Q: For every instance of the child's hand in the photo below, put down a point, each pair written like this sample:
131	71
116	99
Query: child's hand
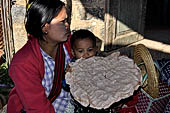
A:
68	69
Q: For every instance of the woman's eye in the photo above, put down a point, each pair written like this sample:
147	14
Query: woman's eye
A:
64	21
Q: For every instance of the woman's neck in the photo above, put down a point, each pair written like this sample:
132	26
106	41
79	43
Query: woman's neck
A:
49	48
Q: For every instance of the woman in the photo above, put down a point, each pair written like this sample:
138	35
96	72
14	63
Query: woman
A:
37	69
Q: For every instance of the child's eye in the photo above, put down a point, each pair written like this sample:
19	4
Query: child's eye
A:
90	49
80	51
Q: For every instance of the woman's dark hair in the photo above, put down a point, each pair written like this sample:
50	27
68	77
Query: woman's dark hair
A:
82	34
39	13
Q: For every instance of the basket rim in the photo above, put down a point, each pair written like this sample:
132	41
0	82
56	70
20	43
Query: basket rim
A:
142	54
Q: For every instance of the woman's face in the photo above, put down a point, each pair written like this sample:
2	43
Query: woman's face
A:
58	29
84	48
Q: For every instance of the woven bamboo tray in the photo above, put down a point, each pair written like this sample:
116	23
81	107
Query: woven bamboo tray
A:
143	59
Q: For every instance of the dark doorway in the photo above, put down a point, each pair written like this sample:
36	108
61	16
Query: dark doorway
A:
157	13
157	21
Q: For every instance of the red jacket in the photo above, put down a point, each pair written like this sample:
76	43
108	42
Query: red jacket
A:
27	72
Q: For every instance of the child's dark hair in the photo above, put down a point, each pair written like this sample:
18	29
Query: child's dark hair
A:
82	34
40	12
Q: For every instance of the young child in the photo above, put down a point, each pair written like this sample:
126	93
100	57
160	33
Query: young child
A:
83	44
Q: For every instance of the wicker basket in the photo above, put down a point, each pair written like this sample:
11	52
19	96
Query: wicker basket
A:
143	59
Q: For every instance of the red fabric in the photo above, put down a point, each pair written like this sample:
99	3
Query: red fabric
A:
130	106
131	109
58	73
27	72
133	101
68	46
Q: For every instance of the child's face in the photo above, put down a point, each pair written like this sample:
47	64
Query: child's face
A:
84	48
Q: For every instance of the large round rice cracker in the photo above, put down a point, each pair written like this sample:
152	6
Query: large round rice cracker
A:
99	82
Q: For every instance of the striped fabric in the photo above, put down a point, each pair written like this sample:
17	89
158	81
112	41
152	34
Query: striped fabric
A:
58	74
62	100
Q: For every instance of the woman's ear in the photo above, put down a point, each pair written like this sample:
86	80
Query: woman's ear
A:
45	29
